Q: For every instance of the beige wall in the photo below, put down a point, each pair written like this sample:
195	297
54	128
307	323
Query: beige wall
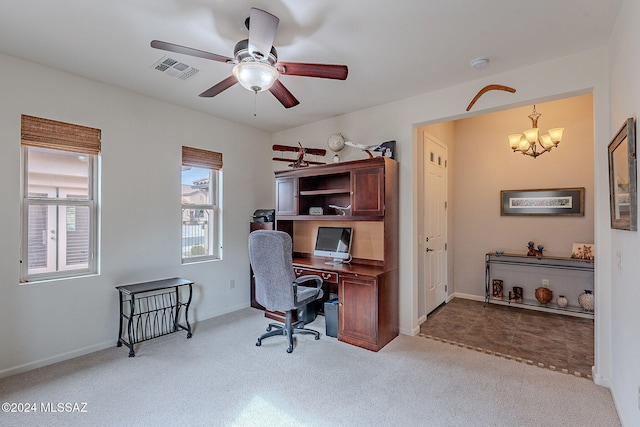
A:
142	138
573	75
624	69
484	165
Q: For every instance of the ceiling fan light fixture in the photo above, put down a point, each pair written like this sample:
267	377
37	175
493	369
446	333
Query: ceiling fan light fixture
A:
255	76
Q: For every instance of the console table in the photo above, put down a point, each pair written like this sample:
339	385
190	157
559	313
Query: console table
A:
152	309
537	268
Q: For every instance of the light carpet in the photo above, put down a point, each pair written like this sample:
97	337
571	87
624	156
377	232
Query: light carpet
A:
220	378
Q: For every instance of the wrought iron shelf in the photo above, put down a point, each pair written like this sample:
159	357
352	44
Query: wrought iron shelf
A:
152	309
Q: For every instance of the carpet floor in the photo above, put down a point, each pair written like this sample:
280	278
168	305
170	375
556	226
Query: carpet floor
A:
220	378
548	340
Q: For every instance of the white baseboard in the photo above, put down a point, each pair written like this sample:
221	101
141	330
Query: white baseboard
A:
600	380
193	319
467	296
55	359
410	332
198	316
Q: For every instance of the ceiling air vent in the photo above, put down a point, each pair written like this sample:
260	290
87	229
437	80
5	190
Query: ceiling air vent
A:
175	68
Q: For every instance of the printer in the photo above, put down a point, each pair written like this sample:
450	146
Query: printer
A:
264	215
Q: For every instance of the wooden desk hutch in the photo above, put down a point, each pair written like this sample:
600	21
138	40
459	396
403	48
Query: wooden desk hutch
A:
367	287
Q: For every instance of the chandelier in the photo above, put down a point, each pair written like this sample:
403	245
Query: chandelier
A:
531	143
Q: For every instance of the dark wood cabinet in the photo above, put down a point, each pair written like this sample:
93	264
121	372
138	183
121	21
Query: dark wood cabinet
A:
368	310
357	319
368	192
360	184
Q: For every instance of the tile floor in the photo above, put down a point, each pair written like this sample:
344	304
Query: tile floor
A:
552	341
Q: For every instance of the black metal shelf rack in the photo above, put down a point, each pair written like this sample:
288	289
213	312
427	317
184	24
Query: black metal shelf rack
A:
152	309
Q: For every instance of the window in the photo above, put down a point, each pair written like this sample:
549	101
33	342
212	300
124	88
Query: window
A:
201	188
59	210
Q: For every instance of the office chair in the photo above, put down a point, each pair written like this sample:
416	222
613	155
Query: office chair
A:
276	286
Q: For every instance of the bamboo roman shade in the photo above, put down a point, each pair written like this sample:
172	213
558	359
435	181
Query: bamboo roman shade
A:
44	133
201	158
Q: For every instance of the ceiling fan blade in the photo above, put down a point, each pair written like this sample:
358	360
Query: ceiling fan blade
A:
283	95
262	31
323	71
157	44
222	86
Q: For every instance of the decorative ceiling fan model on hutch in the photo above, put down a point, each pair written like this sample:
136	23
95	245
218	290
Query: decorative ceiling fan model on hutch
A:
256	65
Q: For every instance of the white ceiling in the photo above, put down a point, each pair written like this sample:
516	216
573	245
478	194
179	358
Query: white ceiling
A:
394	49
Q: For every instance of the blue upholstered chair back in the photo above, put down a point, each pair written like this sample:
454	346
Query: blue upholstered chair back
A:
270	254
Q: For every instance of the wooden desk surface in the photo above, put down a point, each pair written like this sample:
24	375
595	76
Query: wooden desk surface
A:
318	264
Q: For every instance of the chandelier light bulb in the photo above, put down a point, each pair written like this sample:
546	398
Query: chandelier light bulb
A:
514	140
556	135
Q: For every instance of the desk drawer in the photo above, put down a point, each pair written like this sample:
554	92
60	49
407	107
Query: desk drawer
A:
327	276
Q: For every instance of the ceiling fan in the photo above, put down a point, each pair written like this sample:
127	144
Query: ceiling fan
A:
256	61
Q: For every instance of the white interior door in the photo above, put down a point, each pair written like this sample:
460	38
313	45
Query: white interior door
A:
435	223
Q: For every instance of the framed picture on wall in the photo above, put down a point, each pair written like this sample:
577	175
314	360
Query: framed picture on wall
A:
544	202
623	178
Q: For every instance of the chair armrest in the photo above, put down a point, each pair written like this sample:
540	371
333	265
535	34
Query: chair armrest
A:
303	280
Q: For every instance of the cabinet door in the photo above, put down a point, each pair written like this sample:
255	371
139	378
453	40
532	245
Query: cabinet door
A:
367	196
358	308
286	196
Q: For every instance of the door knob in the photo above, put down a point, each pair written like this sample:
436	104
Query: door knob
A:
429	250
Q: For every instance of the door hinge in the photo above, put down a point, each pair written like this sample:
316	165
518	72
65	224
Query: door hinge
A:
445	246
446	204
446	288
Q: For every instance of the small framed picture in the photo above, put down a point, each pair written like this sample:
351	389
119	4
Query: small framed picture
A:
583	251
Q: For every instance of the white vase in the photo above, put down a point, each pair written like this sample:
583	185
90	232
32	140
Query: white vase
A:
586	300
562	301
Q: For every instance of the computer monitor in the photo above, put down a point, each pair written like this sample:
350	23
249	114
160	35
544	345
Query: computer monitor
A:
334	242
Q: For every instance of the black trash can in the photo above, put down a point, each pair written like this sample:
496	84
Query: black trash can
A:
331	318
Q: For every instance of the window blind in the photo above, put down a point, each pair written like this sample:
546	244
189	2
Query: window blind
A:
45	133
201	158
